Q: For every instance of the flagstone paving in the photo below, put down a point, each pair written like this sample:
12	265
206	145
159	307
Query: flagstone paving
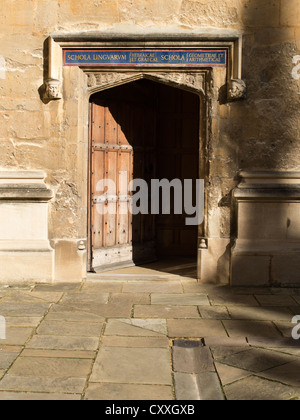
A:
165	338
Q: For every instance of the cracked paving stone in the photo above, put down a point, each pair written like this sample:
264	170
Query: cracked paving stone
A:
108	310
38	396
229	374
17	335
136	327
287	373
23	383
254	388
256	360
66	313
6	359
153	287
133	298
221	351
17	296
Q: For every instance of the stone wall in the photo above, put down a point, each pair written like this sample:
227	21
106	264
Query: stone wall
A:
261	132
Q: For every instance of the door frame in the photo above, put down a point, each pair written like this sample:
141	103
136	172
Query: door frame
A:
201	165
194	81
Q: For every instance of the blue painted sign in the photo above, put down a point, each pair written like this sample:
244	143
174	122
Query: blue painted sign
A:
146	58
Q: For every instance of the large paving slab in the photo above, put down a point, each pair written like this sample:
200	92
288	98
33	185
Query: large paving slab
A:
62	313
66	328
137	365
256	360
185	299
51	367
275	300
23	308
132	298
53	342
229	374
109	310
132	392
195	328
102	287
287	373
202	386
60	354
17	335
153	287
22	383
80	297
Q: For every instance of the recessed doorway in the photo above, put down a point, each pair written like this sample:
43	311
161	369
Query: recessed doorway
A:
149	131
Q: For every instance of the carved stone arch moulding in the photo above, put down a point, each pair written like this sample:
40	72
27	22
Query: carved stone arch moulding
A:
192	81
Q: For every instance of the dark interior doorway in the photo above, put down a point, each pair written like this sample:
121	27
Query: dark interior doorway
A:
143	130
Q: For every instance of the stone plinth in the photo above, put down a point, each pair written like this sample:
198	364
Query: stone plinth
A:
267	249
25	252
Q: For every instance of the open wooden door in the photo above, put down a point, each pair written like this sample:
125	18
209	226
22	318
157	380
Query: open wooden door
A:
122	143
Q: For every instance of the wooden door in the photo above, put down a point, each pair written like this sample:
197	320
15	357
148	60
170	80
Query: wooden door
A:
122	148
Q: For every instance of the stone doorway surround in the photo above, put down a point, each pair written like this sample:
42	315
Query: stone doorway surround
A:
73	86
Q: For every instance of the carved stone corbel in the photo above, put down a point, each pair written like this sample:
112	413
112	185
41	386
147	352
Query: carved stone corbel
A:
236	90
52	89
